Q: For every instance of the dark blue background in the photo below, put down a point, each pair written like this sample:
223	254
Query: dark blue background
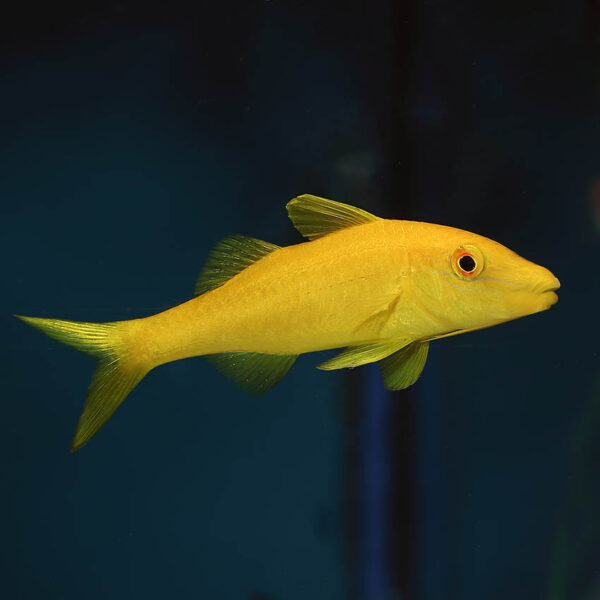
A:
133	137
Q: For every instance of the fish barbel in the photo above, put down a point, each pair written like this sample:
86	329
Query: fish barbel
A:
383	289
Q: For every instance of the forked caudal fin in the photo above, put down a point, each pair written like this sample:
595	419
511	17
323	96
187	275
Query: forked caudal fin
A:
115	376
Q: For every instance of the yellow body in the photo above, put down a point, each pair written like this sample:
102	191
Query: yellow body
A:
370	283
383	288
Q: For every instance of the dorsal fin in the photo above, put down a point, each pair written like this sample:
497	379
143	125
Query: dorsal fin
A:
230	256
314	217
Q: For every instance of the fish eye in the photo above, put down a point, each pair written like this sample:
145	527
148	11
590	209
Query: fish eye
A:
467	261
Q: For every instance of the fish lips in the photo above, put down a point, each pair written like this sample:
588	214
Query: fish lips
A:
548	294
550	297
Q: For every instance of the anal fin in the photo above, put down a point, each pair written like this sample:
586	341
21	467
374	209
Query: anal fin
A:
253	373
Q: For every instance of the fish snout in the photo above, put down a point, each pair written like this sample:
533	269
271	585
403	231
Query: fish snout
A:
542	280
551	286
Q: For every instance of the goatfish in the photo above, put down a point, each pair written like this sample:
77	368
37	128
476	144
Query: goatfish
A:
382	289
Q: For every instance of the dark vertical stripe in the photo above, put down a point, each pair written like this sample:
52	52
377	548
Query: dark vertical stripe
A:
432	485
376	484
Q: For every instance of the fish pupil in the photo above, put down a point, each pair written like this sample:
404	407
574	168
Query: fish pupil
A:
467	263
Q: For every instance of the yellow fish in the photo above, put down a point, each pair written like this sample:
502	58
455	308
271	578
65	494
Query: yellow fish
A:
382	288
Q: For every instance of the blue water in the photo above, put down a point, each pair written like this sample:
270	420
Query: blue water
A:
133	139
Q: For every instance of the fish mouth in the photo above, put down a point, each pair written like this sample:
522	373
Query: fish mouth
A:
547	294
551	297
552	287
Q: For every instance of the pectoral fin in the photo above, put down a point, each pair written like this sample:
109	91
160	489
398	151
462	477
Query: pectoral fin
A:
401	369
361	355
253	373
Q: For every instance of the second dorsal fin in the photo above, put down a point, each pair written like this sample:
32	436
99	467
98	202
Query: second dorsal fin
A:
314	217
230	256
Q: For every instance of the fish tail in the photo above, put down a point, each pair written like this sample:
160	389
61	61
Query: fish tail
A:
118	371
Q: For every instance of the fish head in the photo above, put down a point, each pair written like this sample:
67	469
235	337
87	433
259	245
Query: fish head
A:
464	281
